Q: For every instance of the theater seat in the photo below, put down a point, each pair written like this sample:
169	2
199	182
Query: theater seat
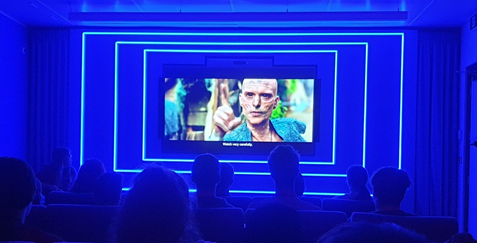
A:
259	199
56	197
221	225
81	223
239	201
315	222
315	200
347	206
435	228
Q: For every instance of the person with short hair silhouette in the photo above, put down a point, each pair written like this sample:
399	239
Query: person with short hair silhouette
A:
58	175
356	178
17	191
389	187
226	180
283	163
299	185
157	209
206	174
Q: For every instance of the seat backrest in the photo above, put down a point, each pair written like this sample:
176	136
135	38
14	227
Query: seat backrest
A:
82	223
347	206
259	198
315	200
315	222
239	201
435	228
57	197
221	225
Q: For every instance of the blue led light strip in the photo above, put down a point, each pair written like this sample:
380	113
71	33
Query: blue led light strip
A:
239	34
192	190
146	51
240	43
243	173
401	101
83	60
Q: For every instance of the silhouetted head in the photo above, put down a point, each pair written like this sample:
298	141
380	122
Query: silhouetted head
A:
108	189
363	232
274	223
357	177
17	184
156	208
226	179
61	157
283	164
87	175
205	170
389	186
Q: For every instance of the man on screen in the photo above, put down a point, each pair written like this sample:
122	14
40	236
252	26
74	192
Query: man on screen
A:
258	99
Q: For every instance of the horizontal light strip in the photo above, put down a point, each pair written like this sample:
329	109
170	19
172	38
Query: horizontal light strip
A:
239	34
233	161
240	43
266	192
244	173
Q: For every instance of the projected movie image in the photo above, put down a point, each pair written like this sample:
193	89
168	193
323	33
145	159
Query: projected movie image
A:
239	112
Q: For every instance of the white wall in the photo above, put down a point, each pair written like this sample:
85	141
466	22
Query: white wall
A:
13	88
468	57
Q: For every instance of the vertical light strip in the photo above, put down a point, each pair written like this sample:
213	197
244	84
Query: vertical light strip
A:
334	108
83	47
401	100
115	148
144	109
365	115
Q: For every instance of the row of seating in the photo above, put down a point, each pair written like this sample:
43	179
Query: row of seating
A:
347	206
87	223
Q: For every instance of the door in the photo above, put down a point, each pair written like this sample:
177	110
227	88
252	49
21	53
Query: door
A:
473	157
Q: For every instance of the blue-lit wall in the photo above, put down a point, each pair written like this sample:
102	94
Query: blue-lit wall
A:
371	75
13	88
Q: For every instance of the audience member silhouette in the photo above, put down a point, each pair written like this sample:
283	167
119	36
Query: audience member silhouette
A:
58	174
274	223
389	187
283	163
206	174
356	178
226	180
364	232
38	199
299	185
17	190
87	176
156	210
108	189
462	238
